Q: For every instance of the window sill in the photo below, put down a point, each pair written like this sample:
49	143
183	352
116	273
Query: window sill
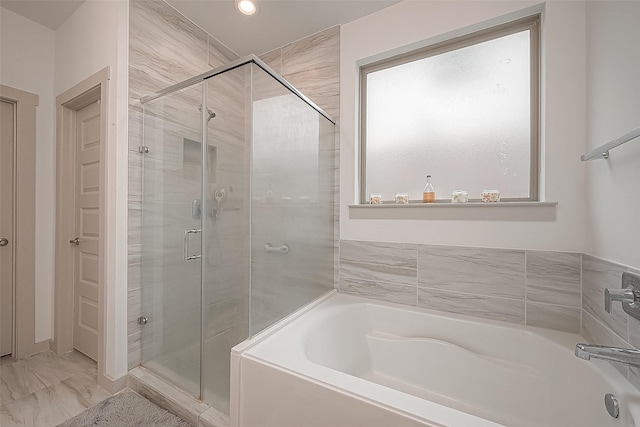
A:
473	211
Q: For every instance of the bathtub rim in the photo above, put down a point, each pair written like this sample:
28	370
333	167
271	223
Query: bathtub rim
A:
243	350
240	350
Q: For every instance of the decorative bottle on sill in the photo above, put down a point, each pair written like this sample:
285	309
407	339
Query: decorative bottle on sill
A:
428	194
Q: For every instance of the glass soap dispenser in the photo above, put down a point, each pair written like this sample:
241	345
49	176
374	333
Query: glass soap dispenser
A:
428	194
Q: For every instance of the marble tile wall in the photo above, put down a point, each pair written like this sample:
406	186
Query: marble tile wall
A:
226	287
312	65
165	48
292	204
525	287
599	327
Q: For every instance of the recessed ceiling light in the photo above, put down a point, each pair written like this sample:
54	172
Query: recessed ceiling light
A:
248	7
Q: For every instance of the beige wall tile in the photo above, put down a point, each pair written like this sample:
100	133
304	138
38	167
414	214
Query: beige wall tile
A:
554	277
597	275
390	292
487	307
219	54
312	65
598	333
393	263
164	48
480	271
556	317
273	59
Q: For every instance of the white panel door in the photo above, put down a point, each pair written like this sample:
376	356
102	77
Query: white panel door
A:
7	136
87	286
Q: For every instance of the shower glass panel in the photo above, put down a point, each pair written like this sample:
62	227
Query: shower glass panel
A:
291	204
171	293
255	202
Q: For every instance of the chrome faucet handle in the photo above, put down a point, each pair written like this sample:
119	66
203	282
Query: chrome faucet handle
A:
623	295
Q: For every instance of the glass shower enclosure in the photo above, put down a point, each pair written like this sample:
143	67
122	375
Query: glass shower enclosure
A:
238	196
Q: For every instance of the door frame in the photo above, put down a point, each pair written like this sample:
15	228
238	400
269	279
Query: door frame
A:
94	88
24	234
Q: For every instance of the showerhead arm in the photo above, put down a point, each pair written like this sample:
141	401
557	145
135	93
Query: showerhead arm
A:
210	113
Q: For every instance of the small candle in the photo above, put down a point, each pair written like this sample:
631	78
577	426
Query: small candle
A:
490	196
402	198
375	199
459	196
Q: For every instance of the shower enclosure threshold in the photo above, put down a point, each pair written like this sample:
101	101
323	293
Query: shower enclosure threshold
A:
181	368
174	400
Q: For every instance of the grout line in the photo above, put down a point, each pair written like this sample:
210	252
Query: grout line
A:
581	292
472	294
417	274
365	282
526	286
555	305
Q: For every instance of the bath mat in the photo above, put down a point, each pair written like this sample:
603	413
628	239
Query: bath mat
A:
125	409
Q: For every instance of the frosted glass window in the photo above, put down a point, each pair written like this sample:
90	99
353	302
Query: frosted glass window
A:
463	115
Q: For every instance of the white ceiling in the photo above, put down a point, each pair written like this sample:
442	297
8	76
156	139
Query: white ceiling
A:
276	23
50	13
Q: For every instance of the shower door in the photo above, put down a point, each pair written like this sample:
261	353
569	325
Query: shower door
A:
171	238
238	232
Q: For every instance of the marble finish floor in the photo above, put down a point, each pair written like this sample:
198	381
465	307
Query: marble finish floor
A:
46	389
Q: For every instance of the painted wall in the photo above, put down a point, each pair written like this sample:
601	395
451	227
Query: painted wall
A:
563	120
590	80
94	37
613	108
27	63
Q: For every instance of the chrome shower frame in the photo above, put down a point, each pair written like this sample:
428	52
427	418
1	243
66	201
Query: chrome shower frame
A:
250	59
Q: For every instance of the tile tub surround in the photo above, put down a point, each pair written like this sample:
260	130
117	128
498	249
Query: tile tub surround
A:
616	329
553	290
536	288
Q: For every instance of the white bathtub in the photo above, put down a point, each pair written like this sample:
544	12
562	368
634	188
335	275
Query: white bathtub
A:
347	361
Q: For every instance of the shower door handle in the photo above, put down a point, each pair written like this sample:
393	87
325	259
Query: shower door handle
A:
284	249
187	234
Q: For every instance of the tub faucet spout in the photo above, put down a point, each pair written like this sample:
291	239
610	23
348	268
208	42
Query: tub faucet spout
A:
627	356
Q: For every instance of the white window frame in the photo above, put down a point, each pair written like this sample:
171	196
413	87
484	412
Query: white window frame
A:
531	23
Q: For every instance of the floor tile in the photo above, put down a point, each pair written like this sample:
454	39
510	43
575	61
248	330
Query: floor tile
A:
47	389
40	409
